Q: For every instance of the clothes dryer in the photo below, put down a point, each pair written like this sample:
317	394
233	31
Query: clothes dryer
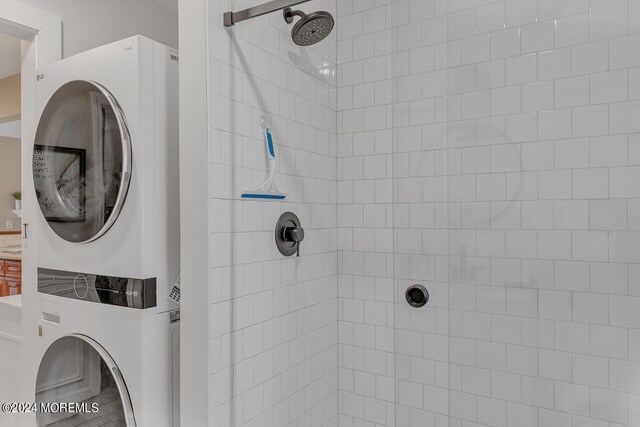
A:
105	163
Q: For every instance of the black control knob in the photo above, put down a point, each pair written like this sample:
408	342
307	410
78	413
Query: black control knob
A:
294	234
289	234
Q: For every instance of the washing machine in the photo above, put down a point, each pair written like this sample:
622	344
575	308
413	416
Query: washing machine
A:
105	173
104	364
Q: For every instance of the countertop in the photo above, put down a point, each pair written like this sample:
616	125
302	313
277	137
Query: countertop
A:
9	256
13	301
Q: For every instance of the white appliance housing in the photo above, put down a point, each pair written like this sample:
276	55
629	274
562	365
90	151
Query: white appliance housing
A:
144	346
143	243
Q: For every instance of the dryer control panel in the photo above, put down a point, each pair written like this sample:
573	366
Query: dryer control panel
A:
120	291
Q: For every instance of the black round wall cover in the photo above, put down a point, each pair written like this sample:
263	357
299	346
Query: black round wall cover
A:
417	296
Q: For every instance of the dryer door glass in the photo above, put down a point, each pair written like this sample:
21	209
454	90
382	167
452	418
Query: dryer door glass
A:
81	161
79	384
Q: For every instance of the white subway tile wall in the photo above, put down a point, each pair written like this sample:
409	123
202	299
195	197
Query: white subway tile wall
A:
488	150
368	99
273	321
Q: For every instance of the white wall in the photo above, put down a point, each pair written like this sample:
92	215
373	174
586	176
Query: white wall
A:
543	187
87	24
9	147
366	229
10	182
194	221
515	201
273	320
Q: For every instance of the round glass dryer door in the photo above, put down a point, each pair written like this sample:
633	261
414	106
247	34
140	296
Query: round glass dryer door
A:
78	383
81	161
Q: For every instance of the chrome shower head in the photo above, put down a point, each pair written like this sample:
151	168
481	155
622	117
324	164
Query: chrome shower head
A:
311	28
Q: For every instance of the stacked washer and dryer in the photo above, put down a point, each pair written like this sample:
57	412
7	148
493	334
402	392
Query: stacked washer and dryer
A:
105	170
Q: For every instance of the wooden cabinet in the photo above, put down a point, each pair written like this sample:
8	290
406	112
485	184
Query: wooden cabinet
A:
10	277
14	286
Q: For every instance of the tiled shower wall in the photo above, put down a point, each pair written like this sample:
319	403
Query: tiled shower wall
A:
365	214
273	320
486	149
543	187
503	170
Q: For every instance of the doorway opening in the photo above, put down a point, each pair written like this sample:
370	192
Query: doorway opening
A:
10	166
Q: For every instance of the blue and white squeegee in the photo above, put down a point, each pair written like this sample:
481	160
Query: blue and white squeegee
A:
267	190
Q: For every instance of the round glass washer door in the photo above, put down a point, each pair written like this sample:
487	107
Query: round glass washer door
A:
81	161
76	370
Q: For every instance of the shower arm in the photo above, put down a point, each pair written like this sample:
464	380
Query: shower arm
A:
232	18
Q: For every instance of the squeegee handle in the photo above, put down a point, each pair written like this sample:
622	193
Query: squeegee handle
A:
272	153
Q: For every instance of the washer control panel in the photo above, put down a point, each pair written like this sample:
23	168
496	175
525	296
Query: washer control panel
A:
120	291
